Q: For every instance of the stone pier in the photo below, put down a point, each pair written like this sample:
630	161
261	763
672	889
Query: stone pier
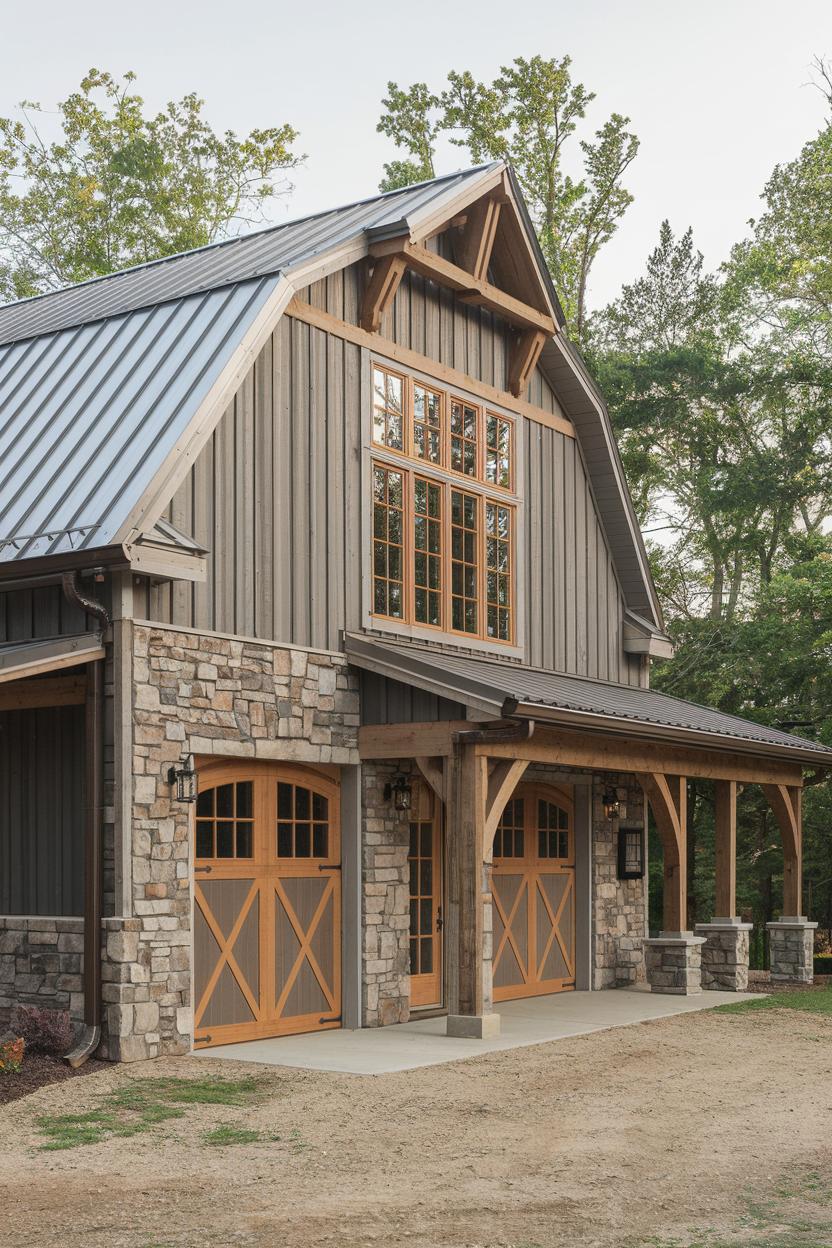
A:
674	963
725	954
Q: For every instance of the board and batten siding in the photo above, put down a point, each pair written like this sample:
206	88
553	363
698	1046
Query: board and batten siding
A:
42	811
276	494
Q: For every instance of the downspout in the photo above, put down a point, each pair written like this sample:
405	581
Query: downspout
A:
90	1037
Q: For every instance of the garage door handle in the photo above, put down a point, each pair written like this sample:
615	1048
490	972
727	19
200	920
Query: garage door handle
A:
329	866
205	869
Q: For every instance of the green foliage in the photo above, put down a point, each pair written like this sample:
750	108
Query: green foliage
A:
720	389
526	115
139	1107
813	1001
118	187
227	1134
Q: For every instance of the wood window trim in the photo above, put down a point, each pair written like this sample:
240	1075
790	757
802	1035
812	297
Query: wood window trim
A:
448	396
384	460
442	374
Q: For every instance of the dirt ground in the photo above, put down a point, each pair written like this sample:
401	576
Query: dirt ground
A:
625	1137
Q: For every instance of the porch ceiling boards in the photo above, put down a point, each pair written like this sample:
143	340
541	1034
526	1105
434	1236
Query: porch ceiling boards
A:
501	689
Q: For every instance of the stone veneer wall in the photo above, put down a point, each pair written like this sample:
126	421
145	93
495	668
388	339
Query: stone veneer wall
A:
385	994
619	907
202	693
40	964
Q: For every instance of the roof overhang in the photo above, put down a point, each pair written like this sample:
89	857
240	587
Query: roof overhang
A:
19	659
639	636
498	690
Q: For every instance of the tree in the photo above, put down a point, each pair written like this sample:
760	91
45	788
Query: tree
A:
525	116
118	187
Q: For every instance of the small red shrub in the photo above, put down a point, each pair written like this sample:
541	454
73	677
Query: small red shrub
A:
45	1031
11	1056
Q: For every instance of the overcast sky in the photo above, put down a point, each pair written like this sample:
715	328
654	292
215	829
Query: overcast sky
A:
715	88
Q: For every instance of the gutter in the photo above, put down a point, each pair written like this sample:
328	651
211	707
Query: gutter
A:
90	1037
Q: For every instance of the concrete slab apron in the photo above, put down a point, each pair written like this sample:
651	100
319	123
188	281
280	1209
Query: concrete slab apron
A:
384	1050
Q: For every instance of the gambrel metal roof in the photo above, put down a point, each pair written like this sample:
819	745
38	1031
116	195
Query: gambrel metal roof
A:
261	253
499	688
104	384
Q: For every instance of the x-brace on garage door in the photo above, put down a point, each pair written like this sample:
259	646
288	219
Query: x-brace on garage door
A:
267	902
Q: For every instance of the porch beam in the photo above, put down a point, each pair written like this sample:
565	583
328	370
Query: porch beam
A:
467	287
667	796
387	274
18	695
725	817
785	801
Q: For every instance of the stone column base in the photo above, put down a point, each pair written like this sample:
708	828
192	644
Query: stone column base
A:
792	948
725	955
674	963
474	1026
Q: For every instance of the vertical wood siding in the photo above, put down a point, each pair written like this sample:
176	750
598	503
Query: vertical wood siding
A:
41	612
276	494
42	811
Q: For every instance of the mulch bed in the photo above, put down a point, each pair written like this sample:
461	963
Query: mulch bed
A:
761	981
38	1070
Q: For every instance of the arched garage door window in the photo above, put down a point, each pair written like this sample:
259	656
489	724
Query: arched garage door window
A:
267	902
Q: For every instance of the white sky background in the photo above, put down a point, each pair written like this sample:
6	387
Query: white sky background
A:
715	88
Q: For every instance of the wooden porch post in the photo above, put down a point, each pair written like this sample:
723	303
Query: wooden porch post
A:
785	801
667	796
725	796
469	1006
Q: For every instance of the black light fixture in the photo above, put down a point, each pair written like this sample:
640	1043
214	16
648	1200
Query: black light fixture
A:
631	853
399	792
184	777
611	803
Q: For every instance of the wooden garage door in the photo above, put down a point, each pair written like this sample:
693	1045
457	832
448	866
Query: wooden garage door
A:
533	891
267	903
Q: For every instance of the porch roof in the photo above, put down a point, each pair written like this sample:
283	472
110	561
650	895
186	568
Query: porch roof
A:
47	654
503	689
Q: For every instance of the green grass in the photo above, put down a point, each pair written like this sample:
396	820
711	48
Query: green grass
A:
140	1106
813	1001
227	1134
795	1214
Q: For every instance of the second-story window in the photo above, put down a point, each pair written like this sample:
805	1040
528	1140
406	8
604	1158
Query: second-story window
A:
442	548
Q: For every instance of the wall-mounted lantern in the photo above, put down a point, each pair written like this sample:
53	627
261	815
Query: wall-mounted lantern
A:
399	792
611	803
631	853
184	777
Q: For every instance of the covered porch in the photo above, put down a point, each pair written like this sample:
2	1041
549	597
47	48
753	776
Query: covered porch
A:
520	720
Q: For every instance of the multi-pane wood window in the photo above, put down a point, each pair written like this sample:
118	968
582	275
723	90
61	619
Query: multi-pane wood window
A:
388	542
442	555
225	821
302	822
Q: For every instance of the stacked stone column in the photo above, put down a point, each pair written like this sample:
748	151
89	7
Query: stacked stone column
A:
674	963
725	954
791	949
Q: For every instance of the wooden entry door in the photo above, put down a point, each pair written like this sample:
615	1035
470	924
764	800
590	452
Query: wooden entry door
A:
267	902
426	919
533	893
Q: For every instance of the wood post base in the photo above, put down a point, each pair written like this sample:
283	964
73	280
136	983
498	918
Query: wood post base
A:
474	1026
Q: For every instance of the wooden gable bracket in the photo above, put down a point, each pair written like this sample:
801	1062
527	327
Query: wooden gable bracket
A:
477	242
785	801
667	796
387	273
467	287
525	352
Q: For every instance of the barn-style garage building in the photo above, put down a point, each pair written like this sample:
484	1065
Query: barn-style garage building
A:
325	636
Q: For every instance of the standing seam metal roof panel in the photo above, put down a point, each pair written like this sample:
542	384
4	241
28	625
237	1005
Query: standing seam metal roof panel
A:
264	252
496	681
88	416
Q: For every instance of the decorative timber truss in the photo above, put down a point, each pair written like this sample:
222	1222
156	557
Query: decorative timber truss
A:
473	235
